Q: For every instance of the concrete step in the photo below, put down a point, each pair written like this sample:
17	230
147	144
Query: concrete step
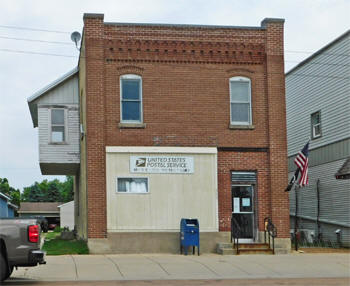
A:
255	251
224	245
254	245
244	248
226	251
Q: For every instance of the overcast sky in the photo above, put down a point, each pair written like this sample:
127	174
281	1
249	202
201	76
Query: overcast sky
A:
310	25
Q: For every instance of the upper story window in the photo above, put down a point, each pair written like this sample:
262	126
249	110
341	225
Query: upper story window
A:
131	98
316	124
240	101
58	133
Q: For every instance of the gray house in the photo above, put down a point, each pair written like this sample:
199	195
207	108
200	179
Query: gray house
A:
318	107
55	110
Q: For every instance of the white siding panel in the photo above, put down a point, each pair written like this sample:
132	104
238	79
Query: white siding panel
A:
321	84
65	93
54	153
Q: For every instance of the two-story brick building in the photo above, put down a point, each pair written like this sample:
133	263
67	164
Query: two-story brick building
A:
176	121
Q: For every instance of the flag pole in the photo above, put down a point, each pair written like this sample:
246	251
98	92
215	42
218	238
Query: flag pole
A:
296	218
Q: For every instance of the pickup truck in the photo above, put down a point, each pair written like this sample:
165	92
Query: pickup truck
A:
19	244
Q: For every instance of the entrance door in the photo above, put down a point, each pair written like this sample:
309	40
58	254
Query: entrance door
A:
243	210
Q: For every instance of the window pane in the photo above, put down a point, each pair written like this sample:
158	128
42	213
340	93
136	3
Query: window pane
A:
315	118
239	91
240	112
57	134
131	110
57	116
130	89
317	130
132	185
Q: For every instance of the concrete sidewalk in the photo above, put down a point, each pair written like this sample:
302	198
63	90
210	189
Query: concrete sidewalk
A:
165	267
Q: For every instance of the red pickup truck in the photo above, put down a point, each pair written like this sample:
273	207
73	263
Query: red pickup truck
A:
19	244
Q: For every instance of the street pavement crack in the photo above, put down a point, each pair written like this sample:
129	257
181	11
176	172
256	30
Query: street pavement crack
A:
155	261
235	266
116	265
75	266
205	266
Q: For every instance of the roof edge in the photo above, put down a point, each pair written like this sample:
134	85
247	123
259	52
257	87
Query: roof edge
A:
318	52
5	196
13	206
53	84
65	204
199	26
43	91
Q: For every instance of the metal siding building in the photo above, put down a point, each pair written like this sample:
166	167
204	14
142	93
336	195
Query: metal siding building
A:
3	207
6	208
321	84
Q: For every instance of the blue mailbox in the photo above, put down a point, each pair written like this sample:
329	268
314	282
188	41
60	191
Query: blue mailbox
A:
189	234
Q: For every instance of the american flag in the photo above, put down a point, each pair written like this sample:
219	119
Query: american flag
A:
302	161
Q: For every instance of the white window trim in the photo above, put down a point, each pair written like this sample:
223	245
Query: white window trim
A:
130	76
65	118
132	177
244	79
314	136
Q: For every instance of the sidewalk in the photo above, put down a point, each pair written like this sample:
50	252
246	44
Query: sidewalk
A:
164	266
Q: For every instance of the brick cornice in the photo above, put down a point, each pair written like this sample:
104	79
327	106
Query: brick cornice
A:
184	51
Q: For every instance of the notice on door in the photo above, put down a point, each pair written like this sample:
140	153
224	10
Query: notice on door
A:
236	208
162	164
245	202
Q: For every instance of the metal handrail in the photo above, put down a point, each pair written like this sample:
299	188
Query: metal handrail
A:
271	230
235	233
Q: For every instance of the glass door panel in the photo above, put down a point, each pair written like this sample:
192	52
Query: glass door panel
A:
243	209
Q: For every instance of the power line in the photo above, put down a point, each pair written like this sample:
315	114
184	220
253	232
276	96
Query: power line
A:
70	56
33	29
65	32
35	40
36	53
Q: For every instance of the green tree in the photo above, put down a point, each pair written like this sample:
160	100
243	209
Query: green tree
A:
13	193
50	191
67	189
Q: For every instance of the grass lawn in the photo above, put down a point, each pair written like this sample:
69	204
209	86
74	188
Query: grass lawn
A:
54	245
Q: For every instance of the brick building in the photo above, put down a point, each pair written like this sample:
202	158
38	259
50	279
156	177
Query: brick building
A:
179	121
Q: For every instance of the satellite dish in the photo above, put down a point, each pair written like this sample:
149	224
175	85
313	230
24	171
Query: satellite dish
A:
75	36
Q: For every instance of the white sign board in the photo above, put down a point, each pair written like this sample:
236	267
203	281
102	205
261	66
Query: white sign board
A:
162	164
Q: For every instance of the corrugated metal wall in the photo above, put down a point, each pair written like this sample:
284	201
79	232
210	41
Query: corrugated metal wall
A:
334	202
3	208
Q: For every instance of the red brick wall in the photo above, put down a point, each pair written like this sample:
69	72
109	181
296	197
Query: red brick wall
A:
185	74
243	161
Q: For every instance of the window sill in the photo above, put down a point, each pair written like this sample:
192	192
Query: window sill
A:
132	125
58	143
242	127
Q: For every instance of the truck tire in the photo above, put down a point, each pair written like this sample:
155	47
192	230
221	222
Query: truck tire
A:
3	268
